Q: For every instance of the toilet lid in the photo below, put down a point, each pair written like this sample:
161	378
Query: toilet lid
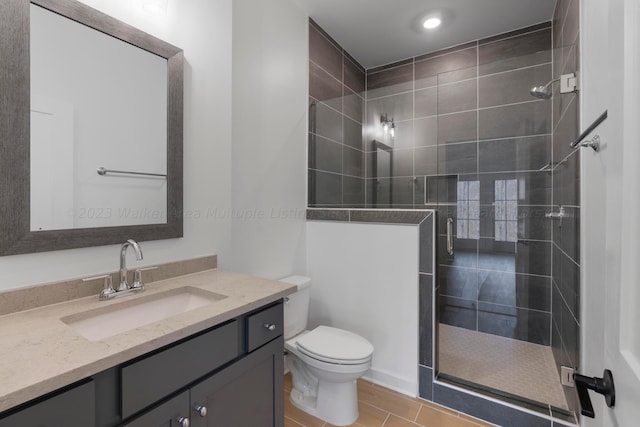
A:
335	345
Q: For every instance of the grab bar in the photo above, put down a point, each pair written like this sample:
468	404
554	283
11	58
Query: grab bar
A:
595	143
450	236
103	171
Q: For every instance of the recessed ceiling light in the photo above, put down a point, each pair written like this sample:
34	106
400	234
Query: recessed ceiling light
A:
431	23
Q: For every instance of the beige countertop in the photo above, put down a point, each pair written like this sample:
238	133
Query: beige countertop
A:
39	353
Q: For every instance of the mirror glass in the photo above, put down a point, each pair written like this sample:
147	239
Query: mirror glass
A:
96	102
95	93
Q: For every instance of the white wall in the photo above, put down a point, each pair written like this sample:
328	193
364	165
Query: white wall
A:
599	186
365	279
203	29
593	97
269	139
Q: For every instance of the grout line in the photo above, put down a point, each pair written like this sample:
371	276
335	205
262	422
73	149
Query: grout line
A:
565	254
405	61
294	421
494	271
477	296
514	36
452	50
513	103
334	173
322	32
414	185
332	76
517	69
499	305
404	92
332	108
565	110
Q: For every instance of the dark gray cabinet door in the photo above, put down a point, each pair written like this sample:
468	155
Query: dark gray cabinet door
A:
70	408
248	393
165	415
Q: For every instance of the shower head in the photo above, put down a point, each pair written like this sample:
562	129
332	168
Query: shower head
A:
541	92
568	84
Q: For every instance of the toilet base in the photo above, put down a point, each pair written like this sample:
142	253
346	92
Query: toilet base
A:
335	403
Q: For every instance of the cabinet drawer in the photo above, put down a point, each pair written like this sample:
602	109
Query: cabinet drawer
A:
264	326
73	407
166	414
152	378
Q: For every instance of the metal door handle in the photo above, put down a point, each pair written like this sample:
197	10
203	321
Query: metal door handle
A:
270	326
603	385
450	236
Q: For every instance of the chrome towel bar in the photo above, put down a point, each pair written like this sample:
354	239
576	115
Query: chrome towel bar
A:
595	142
102	171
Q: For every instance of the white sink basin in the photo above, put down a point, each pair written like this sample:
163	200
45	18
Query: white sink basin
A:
114	319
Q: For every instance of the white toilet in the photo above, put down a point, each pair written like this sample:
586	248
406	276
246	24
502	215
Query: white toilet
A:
325	362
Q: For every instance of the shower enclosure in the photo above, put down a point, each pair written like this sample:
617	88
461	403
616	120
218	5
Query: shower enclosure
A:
458	131
472	143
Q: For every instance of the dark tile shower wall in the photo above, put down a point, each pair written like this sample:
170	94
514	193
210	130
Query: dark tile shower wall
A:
336	111
473	144
566	193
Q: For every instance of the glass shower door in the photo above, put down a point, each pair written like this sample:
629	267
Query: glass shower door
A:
494	187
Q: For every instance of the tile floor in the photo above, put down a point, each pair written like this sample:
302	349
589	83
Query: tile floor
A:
517	367
381	407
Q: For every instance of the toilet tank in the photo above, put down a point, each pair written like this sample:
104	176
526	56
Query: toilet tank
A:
296	308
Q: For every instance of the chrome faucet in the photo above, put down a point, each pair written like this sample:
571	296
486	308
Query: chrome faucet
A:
123	262
123	289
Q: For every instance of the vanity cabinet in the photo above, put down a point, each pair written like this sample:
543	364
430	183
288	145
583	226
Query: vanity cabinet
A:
246	394
228	375
151	378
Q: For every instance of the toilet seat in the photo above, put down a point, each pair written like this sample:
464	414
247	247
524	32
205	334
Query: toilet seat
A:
335	346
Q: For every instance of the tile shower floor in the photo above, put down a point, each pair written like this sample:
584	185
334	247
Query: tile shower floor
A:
516	367
381	407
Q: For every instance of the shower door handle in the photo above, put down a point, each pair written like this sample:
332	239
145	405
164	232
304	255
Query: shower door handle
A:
450	236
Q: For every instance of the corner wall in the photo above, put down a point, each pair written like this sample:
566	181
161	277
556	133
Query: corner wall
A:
268	147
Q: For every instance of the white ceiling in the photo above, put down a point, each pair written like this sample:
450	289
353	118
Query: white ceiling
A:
378	32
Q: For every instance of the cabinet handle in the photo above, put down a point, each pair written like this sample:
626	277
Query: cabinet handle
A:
183	421
200	410
270	326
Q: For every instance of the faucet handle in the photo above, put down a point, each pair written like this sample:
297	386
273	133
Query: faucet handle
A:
108	291
137	277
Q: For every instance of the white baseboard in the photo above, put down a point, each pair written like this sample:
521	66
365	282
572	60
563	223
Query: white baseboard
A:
405	386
